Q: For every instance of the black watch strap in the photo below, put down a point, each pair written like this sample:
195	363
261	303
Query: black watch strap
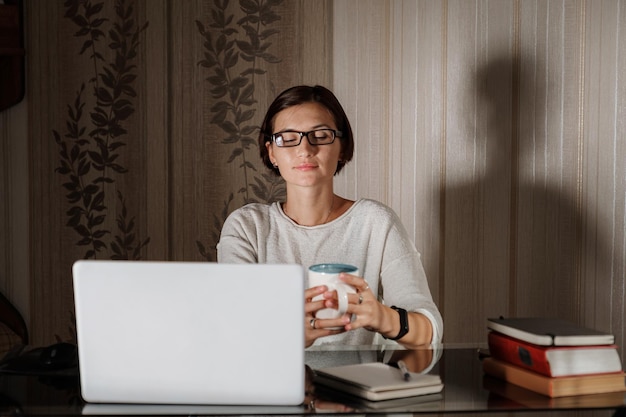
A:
404	323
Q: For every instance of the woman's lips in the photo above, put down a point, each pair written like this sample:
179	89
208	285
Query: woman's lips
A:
306	167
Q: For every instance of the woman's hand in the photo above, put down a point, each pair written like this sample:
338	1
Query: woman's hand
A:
316	328
312	403
367	312
364	311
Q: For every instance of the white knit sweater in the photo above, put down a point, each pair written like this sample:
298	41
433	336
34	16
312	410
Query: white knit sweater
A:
369	236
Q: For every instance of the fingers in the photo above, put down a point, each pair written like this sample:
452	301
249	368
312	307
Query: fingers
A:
313	292
310	306
364	306
357	282
329	324
363	295
316	328
361	312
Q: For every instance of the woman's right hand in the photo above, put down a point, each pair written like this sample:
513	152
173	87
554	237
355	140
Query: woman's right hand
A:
316	328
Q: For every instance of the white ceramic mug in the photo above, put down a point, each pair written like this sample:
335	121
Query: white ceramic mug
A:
328	274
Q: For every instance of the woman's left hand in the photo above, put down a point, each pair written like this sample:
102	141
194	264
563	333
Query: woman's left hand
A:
366	311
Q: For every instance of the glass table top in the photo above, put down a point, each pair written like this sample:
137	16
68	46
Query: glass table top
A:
466	390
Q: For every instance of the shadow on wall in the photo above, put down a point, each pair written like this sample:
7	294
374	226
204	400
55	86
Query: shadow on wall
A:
514	223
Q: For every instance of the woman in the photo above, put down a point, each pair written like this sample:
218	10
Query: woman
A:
306	138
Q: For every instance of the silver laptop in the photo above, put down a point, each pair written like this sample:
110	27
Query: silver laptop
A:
190	332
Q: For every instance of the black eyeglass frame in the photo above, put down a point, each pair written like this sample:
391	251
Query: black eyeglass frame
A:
336	134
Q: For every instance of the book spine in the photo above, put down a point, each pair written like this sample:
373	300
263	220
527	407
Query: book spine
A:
519	353
555	387
518	376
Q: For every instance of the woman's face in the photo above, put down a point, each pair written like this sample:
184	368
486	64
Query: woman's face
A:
305	165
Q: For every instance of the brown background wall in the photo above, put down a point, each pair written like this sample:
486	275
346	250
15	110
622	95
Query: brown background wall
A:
495	130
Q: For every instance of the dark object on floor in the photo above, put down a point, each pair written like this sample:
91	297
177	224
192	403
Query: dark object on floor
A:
58	356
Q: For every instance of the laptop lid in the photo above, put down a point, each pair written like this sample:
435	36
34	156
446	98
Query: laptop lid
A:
190	332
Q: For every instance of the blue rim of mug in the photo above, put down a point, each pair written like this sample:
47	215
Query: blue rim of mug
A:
333	268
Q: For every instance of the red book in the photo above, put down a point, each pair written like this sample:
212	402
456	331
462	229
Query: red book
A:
555	361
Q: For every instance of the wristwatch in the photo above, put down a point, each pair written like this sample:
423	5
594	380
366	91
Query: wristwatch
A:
404	323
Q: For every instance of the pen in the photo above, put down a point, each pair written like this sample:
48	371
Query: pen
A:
405	372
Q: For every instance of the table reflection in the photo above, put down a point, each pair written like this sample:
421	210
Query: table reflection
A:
466	390
319	399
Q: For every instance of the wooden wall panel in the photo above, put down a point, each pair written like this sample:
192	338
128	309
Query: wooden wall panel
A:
189	149
178	182
618	251
416	124
299	50
13	198
548	202
478	164
603	177
361	85
49	246
157	129
494	129
526	170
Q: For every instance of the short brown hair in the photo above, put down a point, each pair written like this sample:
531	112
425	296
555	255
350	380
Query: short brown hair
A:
306	94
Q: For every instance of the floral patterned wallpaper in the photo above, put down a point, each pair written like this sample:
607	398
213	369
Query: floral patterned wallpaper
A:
148	138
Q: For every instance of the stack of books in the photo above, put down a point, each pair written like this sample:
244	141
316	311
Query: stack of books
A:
553	357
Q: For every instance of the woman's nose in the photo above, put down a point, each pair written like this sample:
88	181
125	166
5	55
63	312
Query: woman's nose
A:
305	148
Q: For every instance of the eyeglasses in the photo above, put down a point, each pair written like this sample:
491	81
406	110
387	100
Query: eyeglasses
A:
289	138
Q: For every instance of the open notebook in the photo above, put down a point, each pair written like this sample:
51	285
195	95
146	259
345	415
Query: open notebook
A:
190	332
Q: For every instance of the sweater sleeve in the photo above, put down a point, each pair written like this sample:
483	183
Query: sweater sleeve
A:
238	240
403	279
